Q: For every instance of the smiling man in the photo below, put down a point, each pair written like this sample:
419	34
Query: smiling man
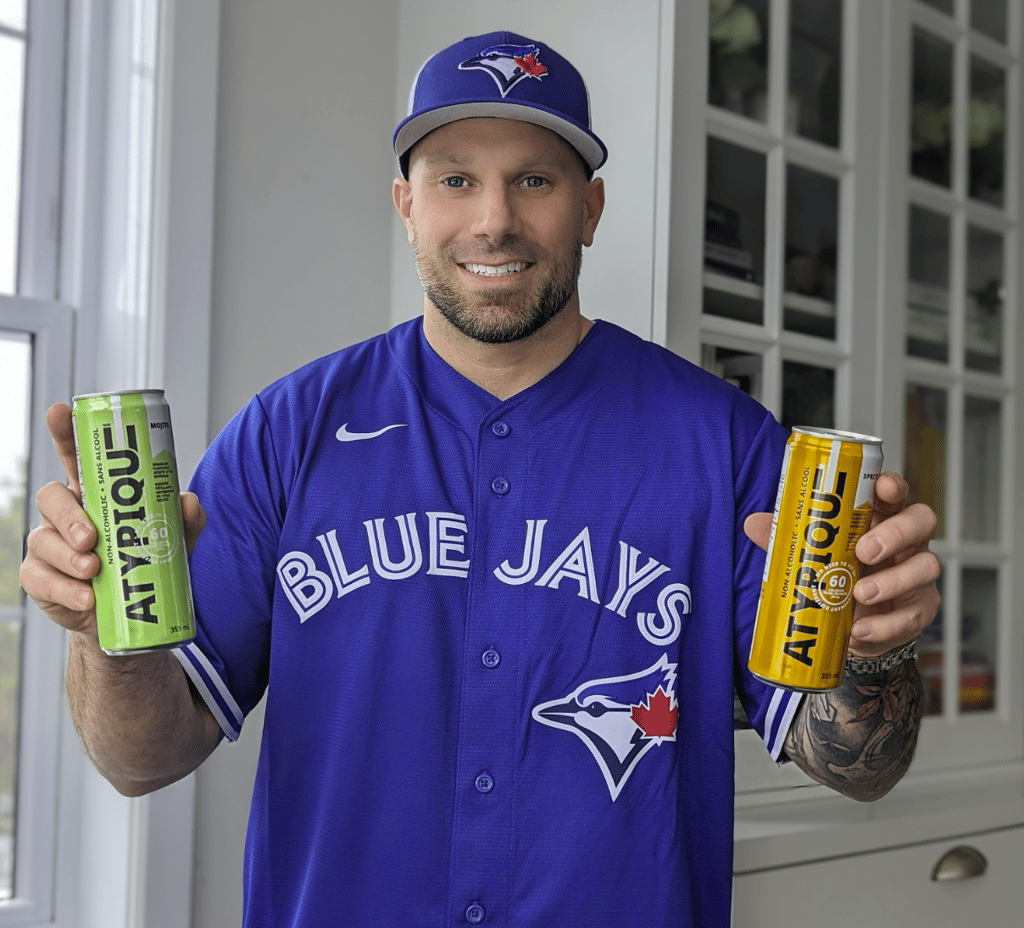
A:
495	574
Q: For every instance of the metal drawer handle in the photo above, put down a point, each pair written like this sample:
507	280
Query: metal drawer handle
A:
960	863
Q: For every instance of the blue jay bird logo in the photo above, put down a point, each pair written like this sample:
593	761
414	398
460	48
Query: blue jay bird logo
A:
619	719
507	64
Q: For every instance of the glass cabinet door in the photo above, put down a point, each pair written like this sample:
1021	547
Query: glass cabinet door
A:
862	257
958	397
774	183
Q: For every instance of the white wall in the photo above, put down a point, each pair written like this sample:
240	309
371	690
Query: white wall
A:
303	186
302	244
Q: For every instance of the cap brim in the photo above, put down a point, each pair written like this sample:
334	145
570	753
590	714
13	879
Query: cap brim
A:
414	128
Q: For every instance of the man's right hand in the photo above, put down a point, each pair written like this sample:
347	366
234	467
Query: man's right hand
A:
59	562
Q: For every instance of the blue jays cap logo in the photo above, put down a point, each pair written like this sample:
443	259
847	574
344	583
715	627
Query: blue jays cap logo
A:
619	719
507	64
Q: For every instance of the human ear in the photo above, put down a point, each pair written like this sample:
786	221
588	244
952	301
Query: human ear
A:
401	196
593	206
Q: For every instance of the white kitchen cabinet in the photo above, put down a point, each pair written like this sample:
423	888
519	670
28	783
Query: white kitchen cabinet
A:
893	888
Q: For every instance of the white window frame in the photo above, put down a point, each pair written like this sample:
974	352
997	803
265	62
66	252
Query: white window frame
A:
49	325
87	856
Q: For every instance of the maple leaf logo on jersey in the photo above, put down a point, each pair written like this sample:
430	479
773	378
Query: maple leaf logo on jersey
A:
507	64
619	719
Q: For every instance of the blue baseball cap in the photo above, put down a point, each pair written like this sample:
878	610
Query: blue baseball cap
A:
505	75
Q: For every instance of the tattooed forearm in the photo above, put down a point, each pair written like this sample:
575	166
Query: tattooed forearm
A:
860	737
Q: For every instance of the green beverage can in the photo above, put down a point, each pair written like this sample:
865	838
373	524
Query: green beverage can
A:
129	478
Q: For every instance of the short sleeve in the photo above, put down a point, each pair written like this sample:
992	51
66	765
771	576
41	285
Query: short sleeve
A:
769	709
233	568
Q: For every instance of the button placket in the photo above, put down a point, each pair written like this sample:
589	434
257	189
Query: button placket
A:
485	823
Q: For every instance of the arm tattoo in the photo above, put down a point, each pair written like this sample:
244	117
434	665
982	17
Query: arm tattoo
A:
860	737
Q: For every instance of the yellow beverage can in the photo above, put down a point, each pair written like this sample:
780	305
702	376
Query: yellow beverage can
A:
823	507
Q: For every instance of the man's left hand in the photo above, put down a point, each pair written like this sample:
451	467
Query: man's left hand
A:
896	594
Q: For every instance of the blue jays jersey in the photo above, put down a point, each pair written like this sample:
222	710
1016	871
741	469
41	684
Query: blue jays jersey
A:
498	639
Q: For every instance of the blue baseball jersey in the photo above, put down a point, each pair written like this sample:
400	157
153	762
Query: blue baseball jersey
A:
498	640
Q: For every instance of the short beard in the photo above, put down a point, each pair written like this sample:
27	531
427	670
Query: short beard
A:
496	327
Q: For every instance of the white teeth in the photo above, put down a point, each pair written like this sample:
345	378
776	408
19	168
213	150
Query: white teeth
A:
489	270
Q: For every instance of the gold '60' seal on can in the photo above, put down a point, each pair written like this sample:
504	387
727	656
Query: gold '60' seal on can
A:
824	504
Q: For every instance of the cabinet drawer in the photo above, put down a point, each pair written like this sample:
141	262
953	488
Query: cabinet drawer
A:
889	889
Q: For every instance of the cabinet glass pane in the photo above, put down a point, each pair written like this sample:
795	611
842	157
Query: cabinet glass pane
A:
986	138
928	262
12	64
734	232
982	469
930	657
983	333
989	17
979	635
12	14
812	223
808	395
15	381
815	65
740	368
925	449
738	56
932	104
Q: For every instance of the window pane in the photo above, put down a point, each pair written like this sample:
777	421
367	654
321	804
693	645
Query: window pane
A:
740	368
12	63
12	13
986	139
812	233
738	57
978	639
928	287
815	66
984	322
946	6
931	113
982	469
930	657
734	226
989	17
15	380
808	396
925	449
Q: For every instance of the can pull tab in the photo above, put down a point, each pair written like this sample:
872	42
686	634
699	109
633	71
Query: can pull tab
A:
960	863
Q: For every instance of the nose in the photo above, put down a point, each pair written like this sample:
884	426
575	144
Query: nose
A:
495	216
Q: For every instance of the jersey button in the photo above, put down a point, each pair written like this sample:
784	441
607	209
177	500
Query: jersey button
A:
490	658
500	485
475	913
501	429
484	783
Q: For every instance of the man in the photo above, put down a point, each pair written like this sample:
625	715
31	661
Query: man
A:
492	572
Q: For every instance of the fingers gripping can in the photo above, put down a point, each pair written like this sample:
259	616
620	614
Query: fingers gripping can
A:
824	505
130	489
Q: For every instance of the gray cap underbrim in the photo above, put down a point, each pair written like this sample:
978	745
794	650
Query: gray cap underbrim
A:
415	128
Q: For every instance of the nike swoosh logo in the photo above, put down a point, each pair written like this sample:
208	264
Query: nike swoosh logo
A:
343	434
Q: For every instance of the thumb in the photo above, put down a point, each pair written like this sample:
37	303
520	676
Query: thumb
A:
758	528
194	517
